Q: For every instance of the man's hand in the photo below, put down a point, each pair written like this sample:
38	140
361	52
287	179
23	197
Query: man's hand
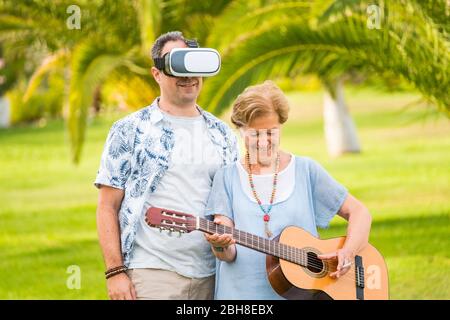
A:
120	287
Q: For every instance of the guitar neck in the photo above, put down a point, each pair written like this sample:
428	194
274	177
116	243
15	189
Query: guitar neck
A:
257	243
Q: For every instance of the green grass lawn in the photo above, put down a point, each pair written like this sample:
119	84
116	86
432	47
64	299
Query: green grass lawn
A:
47	205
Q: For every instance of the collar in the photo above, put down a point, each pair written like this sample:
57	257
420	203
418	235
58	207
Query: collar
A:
156	115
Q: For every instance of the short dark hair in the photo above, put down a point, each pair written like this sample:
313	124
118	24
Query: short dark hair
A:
163	39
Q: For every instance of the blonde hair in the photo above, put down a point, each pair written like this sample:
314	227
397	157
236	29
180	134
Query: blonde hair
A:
259	100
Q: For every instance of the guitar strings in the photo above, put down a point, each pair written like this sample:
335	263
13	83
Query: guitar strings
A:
289	250
205	224
349	276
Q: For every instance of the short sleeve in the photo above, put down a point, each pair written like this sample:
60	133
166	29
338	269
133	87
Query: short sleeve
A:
115	163
220	198
328	194
234	147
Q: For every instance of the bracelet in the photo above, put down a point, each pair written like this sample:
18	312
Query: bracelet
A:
219	249
112	274
115	271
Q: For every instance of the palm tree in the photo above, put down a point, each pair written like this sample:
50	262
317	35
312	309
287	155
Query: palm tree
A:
258	39
111	48
329	39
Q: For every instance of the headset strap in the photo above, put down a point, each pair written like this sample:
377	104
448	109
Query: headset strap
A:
160	63
192	43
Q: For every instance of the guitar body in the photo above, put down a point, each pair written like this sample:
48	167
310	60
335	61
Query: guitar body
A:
293	281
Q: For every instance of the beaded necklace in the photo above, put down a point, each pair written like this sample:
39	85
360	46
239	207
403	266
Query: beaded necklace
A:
255	195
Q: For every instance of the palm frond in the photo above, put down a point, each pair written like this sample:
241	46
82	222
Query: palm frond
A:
149	17
241	18
132	91
49	64
277	51
90	65
338	43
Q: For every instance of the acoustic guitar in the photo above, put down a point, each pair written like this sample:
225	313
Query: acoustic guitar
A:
293	268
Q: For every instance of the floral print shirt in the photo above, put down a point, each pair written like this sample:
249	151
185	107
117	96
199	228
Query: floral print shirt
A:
136	155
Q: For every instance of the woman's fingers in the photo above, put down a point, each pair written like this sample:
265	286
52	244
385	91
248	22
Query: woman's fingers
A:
327	256
220	240
224	240
343	266
225	237
341	259
209	237
212	238
332	256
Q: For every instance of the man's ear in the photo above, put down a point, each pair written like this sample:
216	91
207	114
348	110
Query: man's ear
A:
156	74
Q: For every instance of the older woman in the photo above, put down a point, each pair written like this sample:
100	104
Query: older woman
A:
270	189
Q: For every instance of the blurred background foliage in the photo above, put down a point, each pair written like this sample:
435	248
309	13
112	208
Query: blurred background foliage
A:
303	44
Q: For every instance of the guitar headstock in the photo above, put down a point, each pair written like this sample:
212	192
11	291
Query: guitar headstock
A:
170	220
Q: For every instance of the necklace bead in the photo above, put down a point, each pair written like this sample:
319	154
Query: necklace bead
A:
266	217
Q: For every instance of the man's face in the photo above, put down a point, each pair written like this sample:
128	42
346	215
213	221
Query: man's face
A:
178	90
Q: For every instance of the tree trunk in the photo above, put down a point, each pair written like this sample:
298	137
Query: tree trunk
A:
5	119
97	100
340	131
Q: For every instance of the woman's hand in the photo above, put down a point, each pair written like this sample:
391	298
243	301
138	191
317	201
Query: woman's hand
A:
345	259
221	241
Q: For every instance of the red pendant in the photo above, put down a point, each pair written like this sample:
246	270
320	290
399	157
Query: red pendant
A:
266	217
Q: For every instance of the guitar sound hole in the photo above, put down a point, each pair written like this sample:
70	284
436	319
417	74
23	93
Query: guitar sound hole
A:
315	265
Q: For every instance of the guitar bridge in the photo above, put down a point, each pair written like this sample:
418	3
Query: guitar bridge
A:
359	278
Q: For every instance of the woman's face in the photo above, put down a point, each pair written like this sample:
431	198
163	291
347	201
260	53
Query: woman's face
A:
262	138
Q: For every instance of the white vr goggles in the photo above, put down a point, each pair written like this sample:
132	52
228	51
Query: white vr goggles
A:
189	62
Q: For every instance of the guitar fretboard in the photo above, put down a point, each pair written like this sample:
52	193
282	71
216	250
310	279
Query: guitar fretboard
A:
267	246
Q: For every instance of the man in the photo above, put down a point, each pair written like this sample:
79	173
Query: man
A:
164	155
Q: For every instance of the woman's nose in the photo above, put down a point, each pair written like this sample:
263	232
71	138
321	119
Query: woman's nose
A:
263	143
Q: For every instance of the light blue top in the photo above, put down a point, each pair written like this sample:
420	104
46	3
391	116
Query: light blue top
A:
316	198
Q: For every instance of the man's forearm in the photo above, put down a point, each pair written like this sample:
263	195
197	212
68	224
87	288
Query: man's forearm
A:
109	236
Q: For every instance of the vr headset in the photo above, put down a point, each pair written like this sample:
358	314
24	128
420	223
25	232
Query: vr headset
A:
189	62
